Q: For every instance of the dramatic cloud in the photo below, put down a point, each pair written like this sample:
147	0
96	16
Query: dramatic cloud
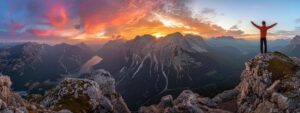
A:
103	19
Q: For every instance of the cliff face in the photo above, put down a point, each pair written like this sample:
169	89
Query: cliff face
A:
270	83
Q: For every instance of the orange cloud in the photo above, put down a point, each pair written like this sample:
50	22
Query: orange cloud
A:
111	14
130	18
100	19
57	15
40	33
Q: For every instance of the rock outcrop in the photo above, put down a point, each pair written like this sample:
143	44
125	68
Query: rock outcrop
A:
186	102
86	96
270	83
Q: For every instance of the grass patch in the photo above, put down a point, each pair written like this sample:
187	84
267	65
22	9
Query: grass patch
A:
281	69
280	54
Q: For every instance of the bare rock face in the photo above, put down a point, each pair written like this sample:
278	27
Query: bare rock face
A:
270	84
186	102
86	96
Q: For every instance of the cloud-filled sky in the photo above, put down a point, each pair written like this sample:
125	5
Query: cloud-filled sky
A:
96	20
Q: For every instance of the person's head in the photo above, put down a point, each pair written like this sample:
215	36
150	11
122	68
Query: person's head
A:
263	23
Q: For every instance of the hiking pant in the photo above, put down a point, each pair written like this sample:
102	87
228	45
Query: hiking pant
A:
263	45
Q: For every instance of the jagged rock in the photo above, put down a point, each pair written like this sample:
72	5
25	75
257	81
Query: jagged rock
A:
77	95
166	101
83	95
107	85
270	83
226	95
186	102
104	79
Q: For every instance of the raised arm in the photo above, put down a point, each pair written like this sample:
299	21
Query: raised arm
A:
272	25
255	25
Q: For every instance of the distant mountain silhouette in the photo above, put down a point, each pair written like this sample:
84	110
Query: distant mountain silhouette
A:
34	66
293	49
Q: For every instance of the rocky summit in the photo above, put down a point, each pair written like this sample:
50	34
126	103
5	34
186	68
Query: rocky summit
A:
270	84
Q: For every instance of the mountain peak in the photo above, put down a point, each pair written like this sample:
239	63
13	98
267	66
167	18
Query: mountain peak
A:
144	37
176	34
296	40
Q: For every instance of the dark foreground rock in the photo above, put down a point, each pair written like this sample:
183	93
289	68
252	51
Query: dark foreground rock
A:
186	102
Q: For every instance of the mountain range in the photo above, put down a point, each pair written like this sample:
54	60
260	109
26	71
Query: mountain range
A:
145	68
34	66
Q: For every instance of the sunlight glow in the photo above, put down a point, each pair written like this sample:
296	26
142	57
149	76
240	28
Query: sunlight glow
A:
159	35
169	22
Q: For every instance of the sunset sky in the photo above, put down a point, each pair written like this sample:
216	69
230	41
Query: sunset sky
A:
96	20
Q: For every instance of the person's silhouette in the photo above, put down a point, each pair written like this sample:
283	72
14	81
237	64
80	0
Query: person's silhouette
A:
263	35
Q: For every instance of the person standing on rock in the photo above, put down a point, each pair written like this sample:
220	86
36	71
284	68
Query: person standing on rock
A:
263	35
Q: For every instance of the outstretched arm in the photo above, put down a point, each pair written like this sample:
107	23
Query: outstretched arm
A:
272	25
255	25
